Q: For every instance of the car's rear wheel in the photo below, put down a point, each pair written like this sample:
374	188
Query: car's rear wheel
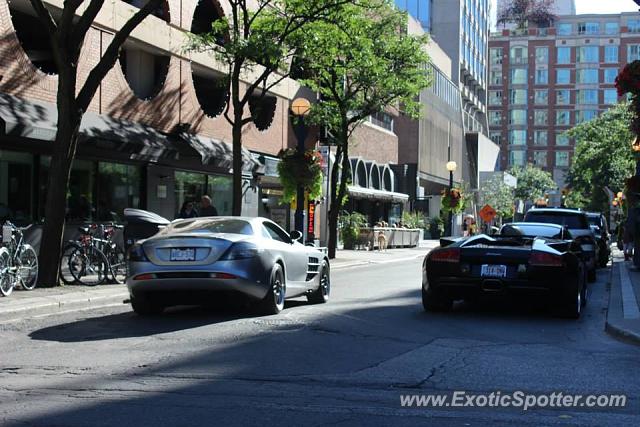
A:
144	307
321	295
431	301
273	302
572	305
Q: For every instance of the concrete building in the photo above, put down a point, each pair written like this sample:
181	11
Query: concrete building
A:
543	81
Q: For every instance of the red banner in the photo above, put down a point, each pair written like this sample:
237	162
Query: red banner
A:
311	219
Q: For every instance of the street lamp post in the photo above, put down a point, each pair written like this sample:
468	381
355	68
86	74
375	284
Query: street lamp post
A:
300	107
451	167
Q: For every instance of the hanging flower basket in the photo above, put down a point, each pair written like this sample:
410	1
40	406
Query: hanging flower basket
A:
296	169
628	81
452	201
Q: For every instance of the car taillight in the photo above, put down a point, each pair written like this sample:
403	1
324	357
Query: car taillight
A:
545	259
241	250
145	276
446	255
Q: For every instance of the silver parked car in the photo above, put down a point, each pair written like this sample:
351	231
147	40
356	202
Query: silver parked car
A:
194	259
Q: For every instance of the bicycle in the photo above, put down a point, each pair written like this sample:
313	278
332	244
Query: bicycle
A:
18	260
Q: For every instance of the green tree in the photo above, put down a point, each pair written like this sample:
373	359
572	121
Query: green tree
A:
603	157
499	195
360	63
254	43
533	182
67	32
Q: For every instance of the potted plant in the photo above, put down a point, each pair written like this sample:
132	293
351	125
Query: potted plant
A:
350	224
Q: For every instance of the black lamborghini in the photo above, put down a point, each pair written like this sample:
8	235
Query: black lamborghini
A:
523	259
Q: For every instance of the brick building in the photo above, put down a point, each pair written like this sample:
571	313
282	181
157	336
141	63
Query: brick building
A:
543	81
154	135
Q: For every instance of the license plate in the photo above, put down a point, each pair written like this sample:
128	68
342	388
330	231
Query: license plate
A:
182	254
493	270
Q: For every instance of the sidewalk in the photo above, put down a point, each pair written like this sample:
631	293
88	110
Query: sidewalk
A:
623	314
47	301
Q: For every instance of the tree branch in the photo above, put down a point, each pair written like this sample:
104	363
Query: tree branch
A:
82	26
45	17
111	54
68	12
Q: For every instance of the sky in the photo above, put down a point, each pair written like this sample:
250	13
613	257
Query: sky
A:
594	6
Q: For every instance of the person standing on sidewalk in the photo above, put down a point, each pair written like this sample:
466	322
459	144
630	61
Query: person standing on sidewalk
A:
206	207
627	238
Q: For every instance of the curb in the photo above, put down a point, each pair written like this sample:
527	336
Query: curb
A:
64	303
611	327
363	263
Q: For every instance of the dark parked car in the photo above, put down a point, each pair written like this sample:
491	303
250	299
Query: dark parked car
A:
599	226
194	260
524	259
578	224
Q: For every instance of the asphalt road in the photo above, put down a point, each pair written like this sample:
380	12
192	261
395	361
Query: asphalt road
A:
347	362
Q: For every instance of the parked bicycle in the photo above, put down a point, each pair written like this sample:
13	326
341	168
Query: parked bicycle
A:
94	258
18	260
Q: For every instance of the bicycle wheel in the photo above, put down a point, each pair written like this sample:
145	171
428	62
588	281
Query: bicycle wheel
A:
117	264
28	270
66	264
90	266
6	277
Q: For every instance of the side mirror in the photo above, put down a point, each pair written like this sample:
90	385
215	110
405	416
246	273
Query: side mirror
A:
295	235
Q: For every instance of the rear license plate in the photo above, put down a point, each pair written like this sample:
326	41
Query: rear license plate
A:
182	254
493	270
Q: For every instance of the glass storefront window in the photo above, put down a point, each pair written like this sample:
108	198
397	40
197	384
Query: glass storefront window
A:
191	186
16	178
118	188
80	192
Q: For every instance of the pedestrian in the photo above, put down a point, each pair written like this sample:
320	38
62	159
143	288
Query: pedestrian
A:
187	210
206	207
627	245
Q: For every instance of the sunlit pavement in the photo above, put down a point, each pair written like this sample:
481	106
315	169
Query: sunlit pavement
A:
346	362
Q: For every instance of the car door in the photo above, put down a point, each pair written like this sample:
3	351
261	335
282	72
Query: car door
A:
293	253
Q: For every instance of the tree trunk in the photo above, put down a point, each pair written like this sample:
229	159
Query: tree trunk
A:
56	200
237	166
338	192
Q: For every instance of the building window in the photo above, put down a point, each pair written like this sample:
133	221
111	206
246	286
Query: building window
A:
496	77
585	115
562	158
563	76
518	96
496	55
541	97
542	55
518	55
540	137
611	28
518	76
588	28
587	96
540	158
542	77
633	26
540	117
610	96
564	29
495	118
118	188
610	75
495	97
563	97
16	187
191	186
562	139
517	137
611	54
382	120
633	52
563	55
518	117
496	137
517	158
587	54
587	75
562	117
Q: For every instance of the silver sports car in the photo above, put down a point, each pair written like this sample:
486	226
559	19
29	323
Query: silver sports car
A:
192	260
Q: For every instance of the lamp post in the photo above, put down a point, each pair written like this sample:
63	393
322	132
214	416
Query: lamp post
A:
300	107
451	167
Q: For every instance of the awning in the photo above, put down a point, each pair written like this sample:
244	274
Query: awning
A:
370	193
37	120
219	153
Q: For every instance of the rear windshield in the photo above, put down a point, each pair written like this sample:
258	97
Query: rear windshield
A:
575	221
531	230
232	226
593	220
